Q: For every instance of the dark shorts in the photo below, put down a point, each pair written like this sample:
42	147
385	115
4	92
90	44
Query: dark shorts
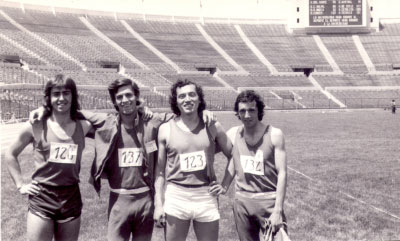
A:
60	204
250	215
130	214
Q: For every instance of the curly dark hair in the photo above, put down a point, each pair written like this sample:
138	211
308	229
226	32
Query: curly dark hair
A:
173	97
250	96
62	80
118	83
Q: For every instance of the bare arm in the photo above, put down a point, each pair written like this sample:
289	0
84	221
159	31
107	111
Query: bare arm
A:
278	141
230	167
159	216
225	143
11	157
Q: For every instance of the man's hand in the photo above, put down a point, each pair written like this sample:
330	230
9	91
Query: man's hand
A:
209	118
275	220
147	114
159	217
37	115
31	188
216	189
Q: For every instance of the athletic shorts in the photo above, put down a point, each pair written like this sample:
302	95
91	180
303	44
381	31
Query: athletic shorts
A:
60	204
191	203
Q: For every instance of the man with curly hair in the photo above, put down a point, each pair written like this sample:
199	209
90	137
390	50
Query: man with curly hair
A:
184	171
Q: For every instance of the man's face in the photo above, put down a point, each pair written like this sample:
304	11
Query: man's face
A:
187	99
248	113
60	99
126	100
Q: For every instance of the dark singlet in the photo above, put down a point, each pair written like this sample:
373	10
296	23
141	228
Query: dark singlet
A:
58	161
125	168
190	155
254	165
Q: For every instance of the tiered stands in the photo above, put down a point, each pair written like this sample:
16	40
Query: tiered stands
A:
117	32
345	53
13	73
69	34
150	79
285	51
358	80
383	47
7	49
260	80
206	80
180	42
228	38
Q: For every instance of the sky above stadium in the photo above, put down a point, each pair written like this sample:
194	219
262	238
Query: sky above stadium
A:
264	9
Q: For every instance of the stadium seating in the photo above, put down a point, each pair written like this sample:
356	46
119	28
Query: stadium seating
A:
285	51
184	45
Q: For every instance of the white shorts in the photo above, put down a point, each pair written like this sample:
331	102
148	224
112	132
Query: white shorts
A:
191	203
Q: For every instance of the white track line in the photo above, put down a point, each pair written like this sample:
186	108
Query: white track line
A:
348	195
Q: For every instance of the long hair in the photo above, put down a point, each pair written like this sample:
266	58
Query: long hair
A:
61	80
173	98
247	96
118	83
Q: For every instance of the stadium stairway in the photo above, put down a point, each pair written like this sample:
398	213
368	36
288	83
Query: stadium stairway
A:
151	47
112	43
37	37
219	49
23	48
327	55
325	92
364	54
257	52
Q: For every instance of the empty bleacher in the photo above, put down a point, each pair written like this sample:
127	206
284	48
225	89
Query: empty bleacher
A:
261	80
180	42
283	50
345	53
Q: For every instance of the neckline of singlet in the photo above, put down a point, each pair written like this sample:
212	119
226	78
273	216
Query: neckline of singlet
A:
57	135
188	131
258	142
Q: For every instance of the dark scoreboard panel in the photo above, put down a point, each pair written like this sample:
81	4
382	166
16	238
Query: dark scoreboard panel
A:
336	13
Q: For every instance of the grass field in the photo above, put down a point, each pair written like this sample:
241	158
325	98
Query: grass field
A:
343	180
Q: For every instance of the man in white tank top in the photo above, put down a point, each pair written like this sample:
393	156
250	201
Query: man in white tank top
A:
185	184
259	166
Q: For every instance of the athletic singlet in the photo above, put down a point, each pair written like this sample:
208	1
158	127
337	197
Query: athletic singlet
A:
58	161
254	165
125	168
189	155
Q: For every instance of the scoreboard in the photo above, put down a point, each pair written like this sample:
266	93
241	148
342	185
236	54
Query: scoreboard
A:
335	13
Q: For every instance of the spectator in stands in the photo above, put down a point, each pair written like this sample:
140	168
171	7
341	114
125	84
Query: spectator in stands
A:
259	163
125	152
393	107
185	164
54	205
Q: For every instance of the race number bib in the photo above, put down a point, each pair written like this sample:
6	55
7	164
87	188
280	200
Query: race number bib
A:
63	153
193	161
130	157
253	164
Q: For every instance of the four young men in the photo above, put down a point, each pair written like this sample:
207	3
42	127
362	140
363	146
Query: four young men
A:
181	165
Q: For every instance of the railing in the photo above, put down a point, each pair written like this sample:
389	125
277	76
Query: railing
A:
19	109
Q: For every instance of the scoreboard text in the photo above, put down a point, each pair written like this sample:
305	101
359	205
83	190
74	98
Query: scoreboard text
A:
335	12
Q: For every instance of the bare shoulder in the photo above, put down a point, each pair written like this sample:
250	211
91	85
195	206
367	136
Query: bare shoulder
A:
277	136
231	133
163	131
